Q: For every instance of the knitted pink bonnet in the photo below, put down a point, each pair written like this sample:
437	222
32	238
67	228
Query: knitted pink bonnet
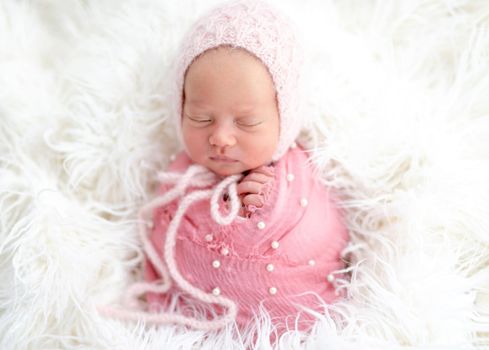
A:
254	26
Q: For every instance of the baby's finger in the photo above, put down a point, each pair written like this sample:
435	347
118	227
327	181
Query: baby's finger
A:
265	170
253	199
257	177
249	187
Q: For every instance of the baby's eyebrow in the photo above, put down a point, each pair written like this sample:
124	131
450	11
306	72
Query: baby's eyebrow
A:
244	108
198	104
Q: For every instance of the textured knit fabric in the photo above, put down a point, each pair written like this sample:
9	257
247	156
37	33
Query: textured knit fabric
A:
265	33
282	254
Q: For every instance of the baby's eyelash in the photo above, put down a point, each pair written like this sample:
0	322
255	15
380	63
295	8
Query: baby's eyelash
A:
249	124
203	120
199	120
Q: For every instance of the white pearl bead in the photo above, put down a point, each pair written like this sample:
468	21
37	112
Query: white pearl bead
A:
261	225
272	290
312	262
216	291
149	224
208	237
293	145
330	277
275	245
290	177
173	157
304	202
224	251
216	264
270	267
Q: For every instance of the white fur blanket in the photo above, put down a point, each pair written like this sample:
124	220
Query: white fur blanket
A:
398	92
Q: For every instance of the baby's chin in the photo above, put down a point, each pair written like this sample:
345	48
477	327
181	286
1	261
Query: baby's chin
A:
227	169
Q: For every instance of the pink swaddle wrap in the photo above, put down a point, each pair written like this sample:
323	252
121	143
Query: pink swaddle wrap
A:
286	249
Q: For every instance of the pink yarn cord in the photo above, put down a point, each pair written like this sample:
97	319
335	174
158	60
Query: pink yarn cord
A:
196	176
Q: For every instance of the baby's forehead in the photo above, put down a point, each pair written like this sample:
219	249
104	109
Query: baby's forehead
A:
200	104
225	72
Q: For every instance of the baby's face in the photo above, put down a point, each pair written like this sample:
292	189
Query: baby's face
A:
230	120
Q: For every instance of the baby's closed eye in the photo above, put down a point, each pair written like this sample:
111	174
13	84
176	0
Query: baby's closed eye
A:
249	121
199	119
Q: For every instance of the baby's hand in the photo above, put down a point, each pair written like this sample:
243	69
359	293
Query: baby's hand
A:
252	187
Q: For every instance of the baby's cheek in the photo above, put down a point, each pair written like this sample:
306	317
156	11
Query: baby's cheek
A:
258	150
195	145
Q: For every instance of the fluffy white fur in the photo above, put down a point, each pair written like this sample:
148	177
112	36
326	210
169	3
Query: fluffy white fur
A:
398	98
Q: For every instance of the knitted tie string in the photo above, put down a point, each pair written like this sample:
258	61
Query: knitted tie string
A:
182	182
201	177
230	183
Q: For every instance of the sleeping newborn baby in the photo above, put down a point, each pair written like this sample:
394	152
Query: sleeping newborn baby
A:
242	222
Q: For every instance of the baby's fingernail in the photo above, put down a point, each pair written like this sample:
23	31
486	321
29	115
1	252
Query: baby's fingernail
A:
261	201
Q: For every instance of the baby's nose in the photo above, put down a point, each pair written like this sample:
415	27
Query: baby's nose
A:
222	136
